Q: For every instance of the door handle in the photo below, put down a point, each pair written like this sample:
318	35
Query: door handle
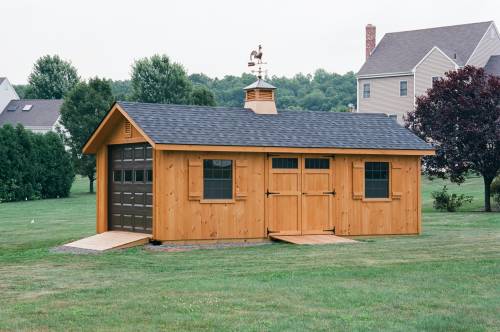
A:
330	193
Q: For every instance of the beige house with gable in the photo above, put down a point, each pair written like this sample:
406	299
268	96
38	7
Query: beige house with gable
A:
403	65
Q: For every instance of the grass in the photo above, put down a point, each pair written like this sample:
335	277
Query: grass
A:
446	279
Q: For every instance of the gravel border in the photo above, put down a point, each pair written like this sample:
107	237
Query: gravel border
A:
73	250
172	247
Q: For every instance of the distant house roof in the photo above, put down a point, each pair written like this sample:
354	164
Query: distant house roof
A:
493	65
43	112
223	126
400	52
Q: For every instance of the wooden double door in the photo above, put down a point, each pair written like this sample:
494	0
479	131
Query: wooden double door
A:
300	194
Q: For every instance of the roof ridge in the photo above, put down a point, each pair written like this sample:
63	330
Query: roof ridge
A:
440	27
181	105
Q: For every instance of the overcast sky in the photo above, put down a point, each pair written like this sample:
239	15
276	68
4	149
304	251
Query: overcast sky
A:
104	37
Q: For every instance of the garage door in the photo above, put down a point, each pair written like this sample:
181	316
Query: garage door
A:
130	188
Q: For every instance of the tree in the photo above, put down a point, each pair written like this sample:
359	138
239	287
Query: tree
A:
51	78
83	109
56	173
159	80
201	95
460	115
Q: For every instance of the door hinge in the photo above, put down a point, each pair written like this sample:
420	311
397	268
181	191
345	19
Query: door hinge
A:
270	193
330	193
269	231
330	230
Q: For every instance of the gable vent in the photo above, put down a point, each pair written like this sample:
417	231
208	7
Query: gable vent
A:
127	129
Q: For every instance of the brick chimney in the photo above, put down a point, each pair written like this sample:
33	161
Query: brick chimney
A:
371	39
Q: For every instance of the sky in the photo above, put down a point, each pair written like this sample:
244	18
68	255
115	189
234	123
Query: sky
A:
104	37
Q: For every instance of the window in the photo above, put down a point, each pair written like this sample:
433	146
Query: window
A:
117	176
217	179
285	163
376	180
139	175
403	88
366	90
127	175
317	163
435	79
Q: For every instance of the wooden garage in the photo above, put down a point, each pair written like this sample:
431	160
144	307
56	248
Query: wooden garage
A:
185	173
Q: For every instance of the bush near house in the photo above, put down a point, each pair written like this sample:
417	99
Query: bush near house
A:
444	201
33	166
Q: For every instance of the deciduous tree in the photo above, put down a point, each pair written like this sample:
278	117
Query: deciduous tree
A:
51	78
460	116
83	109
159	80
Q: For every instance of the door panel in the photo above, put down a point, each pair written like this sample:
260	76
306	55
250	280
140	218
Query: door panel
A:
317	197
284	191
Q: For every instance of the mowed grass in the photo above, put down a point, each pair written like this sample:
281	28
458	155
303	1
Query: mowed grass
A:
447	279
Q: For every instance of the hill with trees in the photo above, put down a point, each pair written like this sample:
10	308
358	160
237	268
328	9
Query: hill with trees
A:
321	91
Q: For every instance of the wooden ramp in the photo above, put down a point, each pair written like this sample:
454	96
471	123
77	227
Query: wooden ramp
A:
312	239
111	240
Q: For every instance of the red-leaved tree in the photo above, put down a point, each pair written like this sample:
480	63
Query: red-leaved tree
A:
460	116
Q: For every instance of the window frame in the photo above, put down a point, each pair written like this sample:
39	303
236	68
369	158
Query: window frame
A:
406	88
204	200
389	181
434	79
367	93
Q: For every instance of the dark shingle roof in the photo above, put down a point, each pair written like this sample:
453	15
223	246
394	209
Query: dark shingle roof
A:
222	126
493	65
44	112
399	52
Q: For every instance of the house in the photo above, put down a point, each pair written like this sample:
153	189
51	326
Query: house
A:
7	93
186	173
37	115
403	65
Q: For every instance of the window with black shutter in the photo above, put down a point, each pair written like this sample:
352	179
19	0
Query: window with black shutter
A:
376	180
217	179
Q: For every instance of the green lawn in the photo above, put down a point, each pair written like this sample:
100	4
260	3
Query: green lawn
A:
446	279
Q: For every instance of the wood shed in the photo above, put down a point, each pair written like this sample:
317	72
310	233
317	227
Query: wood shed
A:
185	173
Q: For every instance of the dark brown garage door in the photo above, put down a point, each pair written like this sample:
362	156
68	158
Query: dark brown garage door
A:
130	188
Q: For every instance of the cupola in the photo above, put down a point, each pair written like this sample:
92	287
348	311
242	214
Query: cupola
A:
260	97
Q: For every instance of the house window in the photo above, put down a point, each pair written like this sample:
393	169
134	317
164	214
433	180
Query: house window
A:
285	163
317	163
435	79
217	179
403	88
376	180
366	90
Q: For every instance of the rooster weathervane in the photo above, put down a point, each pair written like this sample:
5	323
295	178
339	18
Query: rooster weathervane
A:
256	59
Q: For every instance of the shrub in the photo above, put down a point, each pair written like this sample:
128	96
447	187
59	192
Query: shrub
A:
32	165
495	190
443	201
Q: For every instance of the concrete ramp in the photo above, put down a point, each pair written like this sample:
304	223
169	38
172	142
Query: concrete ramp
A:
311	239
111	240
